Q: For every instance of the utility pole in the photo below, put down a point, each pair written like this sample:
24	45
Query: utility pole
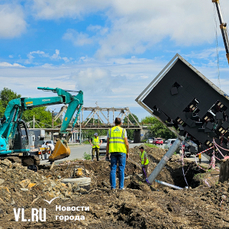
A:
223	28
34	121
52	119
80	129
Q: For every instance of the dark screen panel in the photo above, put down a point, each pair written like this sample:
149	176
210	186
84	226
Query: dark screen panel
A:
186	101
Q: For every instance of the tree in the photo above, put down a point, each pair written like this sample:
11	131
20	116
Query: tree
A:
1	109
130	117
6	95
130	133
43	116
90	133
148	120
156	128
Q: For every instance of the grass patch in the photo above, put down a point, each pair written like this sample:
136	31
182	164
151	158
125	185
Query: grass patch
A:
86	156
86	142
151	145
200	176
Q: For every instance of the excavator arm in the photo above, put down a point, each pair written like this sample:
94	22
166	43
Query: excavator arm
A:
14	110
74	103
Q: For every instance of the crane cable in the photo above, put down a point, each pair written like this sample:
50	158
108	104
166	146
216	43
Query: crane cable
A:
217	46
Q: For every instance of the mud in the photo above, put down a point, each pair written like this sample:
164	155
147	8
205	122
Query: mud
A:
202	205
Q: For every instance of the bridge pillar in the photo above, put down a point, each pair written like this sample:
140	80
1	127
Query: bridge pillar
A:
136	136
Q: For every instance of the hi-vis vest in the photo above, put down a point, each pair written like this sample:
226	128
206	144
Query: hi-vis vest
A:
95	142
142	155
116	140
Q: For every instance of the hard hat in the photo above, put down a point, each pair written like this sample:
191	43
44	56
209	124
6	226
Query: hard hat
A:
95	134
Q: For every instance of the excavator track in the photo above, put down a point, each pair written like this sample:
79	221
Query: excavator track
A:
30	160
13	159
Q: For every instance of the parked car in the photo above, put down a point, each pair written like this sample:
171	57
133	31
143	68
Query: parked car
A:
190	148
168	143
104	143
150	141
130	141
158	141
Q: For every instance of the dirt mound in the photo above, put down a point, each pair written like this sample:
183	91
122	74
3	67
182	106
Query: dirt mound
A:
138	206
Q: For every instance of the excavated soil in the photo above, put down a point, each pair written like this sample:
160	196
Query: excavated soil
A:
22	192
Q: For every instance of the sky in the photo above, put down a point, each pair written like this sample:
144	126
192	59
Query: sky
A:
111	50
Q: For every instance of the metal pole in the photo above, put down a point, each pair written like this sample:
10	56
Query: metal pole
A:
34	121
164	160
80	127
52	119
167	184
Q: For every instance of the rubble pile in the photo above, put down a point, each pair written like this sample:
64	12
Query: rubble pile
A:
138	206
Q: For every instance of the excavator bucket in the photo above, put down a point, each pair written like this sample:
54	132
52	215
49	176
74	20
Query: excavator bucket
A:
61	151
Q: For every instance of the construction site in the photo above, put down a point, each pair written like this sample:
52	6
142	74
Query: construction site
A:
180	191
204	204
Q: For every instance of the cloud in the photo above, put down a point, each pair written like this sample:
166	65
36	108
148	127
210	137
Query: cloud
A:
144	24
134	26
13	23
115	82
94	80
42	54
54	9
78	39
5	64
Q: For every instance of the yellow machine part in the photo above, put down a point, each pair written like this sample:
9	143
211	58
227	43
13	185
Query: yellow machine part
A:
61	151
79	172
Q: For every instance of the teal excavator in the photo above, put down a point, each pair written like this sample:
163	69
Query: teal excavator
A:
14	137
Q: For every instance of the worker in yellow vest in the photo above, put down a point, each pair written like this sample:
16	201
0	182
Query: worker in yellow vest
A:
118	148
95	143
144	161
200	158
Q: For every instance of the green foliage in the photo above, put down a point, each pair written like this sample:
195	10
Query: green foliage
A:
130	117
1	109
151	145
148	120
130	133
86	142
6	95
199	176
43	117
157	129
90	133
87	156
